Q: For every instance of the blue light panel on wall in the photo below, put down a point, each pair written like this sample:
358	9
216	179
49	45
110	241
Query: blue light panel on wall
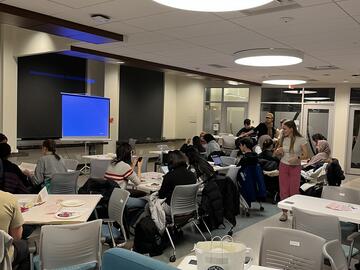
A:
85	117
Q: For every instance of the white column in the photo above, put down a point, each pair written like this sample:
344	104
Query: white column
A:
169	114
254	105
341	121
112	91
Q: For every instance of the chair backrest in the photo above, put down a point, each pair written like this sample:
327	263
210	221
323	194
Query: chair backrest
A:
64	183
283	248
228	160
234	153
232	173
119	258
71	164
62	246
228	141
184	200
341	194
325	226
117	204
335	254
98	167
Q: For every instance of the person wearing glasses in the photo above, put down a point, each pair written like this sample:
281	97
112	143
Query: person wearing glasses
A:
264	128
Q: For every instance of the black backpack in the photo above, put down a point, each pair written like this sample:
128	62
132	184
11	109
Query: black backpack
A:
147	238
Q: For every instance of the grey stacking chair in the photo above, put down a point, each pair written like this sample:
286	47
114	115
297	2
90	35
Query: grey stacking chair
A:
234	153
335	254
71	164
341	194
116	207
64	183
98	167
184	209
283	248
232	173
66	246
325	226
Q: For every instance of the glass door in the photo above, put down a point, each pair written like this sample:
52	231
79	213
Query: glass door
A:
353	147
317	118
233	116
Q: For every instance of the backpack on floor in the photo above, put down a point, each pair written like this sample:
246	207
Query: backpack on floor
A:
147	238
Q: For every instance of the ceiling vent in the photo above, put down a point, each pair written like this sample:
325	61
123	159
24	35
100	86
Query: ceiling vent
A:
274	6
323	68
216	66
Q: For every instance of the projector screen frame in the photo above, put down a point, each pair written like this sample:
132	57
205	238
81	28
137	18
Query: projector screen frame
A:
86	139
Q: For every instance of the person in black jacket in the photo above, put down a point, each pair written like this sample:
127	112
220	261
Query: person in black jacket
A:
245	145
202	168
178	175
13	180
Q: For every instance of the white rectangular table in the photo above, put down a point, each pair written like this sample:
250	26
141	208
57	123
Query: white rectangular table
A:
185	265
45	213
319	206
108	156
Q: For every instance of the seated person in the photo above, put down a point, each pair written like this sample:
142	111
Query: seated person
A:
323	155
317	137
202	168
3	138
48	164
178	175
247	127
11	221
267	160
12	179
245	145
121	170
211	144
196	143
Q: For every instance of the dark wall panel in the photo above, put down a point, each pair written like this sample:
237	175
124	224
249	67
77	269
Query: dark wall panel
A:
41	79
141	103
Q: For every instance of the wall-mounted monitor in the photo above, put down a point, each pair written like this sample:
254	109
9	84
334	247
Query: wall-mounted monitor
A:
85	118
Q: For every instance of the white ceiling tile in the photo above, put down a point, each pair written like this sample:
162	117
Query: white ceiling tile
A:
146	37
42	6
167	46
172	19
121	27
79	3
351	6
202	29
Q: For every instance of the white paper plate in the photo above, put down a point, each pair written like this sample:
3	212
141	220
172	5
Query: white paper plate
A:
71	214
72	203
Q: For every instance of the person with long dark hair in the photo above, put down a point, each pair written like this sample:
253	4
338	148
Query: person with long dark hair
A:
202	168
292	149
48	164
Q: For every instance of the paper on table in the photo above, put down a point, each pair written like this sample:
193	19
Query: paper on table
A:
340	206
42	196
27	166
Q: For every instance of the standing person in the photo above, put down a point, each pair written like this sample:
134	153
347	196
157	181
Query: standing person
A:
11	222
48	164
292	149
264	128
280	129
247	127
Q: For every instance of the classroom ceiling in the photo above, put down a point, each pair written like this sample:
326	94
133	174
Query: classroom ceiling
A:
328	31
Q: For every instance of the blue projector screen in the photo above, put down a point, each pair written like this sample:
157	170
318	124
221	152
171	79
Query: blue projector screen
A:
85	117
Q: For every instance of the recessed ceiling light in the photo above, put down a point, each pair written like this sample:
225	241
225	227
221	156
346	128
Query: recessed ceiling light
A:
284	80
346	81
299	92
271	57
317	98
213	5
100	18
233	82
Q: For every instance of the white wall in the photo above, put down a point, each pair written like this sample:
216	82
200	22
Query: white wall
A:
169	117
254	105
189	107
111	90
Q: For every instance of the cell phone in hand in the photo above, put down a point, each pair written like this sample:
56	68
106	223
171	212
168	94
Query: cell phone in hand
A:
139	159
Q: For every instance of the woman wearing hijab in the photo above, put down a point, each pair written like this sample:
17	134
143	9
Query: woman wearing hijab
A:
322	156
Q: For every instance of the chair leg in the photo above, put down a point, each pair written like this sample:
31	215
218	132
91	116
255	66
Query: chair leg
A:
171	241
197	227
350	253
111	233
207	228
124	233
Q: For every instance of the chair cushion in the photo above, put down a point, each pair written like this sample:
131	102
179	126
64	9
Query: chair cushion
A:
84	266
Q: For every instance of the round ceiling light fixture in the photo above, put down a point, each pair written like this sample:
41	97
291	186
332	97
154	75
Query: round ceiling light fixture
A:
299	92
213	5
284	80
269	57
